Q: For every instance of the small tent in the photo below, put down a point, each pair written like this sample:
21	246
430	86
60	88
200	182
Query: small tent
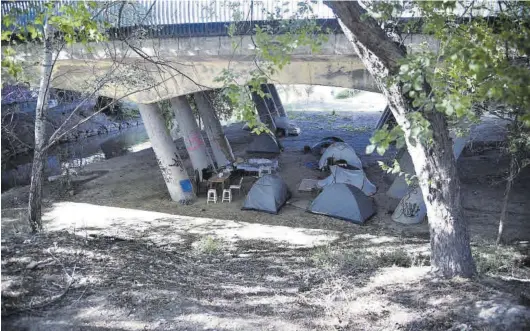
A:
356	178
263	143
268	194
320	147
340	151
343	201
411	209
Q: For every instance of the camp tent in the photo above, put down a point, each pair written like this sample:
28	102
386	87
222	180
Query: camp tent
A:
263	143
356	178
340	151
343	201
320	147
268	194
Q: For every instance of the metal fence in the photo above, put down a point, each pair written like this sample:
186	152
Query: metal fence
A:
162	13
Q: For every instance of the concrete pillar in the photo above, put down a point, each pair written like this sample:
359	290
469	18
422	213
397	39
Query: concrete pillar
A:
175	175
269	100
264	113
222	152
276	100
191	134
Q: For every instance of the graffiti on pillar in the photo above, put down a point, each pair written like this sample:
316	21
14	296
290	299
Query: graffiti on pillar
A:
166	172
195	140
177	162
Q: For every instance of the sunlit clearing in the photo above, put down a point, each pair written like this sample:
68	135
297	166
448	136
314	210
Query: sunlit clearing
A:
161	228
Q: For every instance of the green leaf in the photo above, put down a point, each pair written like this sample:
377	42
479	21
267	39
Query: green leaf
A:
370	149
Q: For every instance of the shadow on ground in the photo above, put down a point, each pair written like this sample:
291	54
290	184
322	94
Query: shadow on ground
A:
204	281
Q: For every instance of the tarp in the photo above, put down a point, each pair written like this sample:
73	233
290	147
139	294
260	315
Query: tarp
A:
263	143
340	151
268	194
343	201
356	178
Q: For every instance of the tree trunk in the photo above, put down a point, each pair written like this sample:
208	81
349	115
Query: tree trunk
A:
509	182
221	149
39	154
435	164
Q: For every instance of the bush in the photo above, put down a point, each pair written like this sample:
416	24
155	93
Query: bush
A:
208	245
345	94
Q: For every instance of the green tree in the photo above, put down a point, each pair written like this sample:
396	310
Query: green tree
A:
54	26
432	89
274	45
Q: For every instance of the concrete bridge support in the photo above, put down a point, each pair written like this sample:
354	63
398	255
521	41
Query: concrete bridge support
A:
276	100
191	134
175	175
264	112
222	152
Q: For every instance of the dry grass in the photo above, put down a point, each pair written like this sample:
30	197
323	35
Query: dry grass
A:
328	257
493	260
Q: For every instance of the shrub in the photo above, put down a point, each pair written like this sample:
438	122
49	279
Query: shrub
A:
345	94
208	245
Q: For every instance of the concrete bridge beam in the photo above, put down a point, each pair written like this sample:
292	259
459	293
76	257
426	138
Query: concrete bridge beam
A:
221	150
175	175
191	134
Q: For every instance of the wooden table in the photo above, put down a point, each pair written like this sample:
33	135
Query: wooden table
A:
218	180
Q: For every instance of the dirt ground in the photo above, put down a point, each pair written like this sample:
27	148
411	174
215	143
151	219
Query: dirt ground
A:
118	254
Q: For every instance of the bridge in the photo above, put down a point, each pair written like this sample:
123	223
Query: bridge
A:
164	50
191	44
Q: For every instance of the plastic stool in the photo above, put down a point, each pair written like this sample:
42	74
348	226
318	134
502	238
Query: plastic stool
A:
212	196
227	195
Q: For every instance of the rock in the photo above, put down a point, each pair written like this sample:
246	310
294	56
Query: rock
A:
32	265
71	193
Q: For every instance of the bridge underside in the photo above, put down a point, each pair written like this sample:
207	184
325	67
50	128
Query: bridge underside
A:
189	65
182	75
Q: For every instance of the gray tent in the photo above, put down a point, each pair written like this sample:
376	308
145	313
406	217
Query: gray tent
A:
268	194
263	143
319	148
343	201
340	151
356	178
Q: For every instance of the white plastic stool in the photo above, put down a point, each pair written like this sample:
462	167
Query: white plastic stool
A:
227	195
212	196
